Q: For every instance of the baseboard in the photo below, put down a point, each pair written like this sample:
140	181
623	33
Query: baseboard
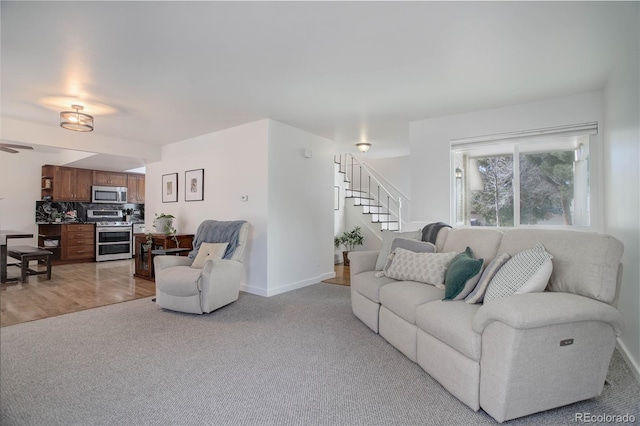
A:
287	287
633	366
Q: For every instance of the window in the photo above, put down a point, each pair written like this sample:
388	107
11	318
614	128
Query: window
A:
531	178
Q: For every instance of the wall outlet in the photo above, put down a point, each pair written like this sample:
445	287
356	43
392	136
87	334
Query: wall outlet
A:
244	198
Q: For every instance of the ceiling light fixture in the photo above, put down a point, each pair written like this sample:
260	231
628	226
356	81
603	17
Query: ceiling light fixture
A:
363	146
76	120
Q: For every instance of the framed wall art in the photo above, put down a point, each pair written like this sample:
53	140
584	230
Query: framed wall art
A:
170	188
194	185
336	198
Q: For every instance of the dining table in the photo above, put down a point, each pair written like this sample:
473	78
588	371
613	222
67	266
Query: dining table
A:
5	236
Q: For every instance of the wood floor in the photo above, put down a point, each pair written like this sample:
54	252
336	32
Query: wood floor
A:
81	286
342	276
72	288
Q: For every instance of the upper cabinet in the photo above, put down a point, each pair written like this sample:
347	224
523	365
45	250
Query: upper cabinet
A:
109	178
66	183
135	188
72	184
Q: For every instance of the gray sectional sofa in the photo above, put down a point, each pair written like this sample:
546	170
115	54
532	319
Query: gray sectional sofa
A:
516	355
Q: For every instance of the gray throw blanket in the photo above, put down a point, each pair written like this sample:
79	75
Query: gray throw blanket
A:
430	232
214	231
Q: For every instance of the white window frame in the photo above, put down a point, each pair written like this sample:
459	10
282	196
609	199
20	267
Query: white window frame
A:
595	177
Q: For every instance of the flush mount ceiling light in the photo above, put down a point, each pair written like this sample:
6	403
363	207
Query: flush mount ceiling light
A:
76	120
363	146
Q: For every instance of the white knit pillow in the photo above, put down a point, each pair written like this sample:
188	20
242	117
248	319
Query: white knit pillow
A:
427	268
209	251
526	272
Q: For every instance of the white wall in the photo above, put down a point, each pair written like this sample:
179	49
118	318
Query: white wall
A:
20	187
300	212
395	170
429	141
622	183
618	135
235	164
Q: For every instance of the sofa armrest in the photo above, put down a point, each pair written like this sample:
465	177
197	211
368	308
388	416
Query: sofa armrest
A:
535	310
361	261
163	262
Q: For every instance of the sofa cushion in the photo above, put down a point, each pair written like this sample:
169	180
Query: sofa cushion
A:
411	245
451	322
368	284
483	241
462	275
209	251
429	268
387	240
403	297
477	295
179	281
526	272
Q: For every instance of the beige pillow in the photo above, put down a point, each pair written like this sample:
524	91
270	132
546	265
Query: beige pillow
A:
427	268
209	251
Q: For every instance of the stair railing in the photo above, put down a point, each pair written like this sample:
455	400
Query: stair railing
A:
354	169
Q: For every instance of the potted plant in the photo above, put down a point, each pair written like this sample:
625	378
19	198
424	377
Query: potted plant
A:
163	223
349	240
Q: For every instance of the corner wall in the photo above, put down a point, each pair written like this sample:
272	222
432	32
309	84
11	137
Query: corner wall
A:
622	179
235	164
300	209
290	198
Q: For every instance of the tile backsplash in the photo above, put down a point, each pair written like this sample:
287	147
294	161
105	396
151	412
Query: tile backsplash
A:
47	211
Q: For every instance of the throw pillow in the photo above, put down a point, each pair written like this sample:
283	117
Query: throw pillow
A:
526	272
387	239
477	295
426	268
462	275
411	245
209	251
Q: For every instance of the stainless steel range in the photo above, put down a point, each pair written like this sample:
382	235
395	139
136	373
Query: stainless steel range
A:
113	237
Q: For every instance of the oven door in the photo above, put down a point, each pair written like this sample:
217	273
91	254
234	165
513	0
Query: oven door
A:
113	243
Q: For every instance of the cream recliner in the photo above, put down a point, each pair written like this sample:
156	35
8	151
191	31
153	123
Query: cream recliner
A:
179	287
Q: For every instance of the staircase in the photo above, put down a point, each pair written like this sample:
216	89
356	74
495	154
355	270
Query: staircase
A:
381	203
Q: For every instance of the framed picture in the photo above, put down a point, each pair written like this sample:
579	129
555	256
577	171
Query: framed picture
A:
336	198
194	185
170	188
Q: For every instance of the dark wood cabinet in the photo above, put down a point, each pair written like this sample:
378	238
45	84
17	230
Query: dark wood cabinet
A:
101	177
135	188
69	243
144	255
66	183
78	242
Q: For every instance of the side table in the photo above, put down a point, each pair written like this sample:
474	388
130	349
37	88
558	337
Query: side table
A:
161	244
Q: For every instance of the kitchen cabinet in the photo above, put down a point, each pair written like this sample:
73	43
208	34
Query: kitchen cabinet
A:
66	183
70	243
135	188
101	177
49	238
78	242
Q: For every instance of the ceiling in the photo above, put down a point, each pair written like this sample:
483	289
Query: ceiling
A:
161	72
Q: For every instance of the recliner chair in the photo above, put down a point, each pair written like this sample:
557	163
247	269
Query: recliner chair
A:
180	287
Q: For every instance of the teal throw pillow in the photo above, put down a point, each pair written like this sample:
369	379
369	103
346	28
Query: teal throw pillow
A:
462	275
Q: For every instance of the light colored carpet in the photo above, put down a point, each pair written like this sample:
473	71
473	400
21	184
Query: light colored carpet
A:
300	358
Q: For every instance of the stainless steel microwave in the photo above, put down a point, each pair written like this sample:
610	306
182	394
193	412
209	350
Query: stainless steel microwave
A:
109	194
